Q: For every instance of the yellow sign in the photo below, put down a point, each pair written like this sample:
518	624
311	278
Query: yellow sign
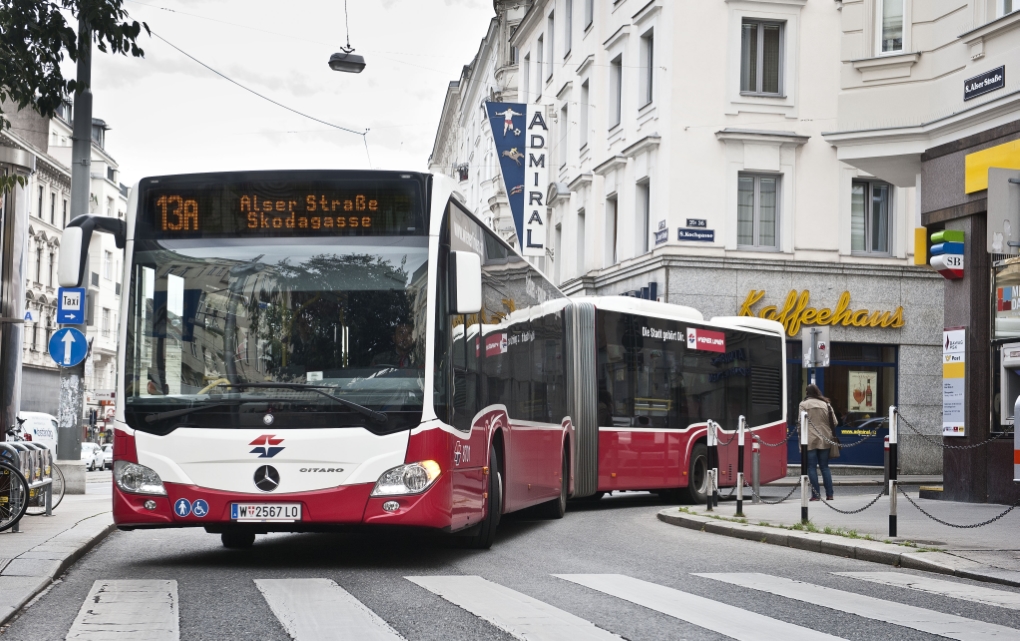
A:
977	164
795	312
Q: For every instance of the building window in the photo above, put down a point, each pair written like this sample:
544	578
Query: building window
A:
580	242
615	91
890	26
647	68
53	208
565	137
589	12
761	58
53	265
551	29
644	215
526	77
568	28
584	114
109	207
106	322
1008	6
869	217
65	212
38	212
108	265
513	55
758	212
557	252
38	266
612	214
541	65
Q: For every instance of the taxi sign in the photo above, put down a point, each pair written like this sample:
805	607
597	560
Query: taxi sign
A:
71	306
68	347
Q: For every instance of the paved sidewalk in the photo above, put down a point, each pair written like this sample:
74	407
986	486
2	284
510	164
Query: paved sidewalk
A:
46	546
989	553
863	479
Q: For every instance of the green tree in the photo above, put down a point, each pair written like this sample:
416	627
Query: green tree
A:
34	38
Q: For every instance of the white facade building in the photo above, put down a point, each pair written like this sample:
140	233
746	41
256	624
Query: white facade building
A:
49	212
689	163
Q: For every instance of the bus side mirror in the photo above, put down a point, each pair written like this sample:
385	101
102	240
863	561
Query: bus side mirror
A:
74	245
72	257
465	283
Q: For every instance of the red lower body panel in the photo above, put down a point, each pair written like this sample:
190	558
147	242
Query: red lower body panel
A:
344	505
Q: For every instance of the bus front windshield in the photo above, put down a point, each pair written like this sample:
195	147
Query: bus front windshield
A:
326	320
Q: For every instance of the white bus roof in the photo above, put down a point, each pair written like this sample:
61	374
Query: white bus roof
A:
628	305
750	322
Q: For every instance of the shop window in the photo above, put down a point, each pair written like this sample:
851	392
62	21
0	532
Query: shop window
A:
869	217
758	211
761	58
890	26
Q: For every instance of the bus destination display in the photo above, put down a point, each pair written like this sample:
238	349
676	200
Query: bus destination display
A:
235	210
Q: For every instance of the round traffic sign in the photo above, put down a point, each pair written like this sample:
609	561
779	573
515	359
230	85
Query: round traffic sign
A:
68	347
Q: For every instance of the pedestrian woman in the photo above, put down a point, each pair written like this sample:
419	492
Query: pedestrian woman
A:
821	421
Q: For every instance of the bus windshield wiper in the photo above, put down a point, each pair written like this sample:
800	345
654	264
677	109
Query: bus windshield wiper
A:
378	417
159	416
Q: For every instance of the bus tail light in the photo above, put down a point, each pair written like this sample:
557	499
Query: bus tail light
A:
412	478
137	479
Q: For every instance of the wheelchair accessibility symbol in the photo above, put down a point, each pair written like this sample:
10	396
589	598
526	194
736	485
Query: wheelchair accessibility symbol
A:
200	508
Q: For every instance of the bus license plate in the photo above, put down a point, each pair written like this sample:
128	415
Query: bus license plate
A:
265	512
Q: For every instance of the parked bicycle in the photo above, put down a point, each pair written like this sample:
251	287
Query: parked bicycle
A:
13	491
40	467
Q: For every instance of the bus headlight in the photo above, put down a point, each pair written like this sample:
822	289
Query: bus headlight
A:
413	478
137	479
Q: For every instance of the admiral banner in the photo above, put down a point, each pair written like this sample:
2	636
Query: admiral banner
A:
521	136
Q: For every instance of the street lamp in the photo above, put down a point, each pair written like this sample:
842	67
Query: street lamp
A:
346	60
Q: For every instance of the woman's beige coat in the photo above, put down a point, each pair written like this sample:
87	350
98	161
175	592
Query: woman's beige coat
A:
818	423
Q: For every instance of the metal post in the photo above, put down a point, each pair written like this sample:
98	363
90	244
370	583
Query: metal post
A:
72	379
893	464
710	491
742	423
756	470
803	467
715	463
885	483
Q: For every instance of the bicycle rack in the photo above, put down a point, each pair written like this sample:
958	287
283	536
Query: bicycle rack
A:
36	463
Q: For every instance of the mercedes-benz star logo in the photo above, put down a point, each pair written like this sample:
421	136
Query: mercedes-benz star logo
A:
268	419
267	478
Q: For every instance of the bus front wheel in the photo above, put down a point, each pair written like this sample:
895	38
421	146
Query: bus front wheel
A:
482	539
697	475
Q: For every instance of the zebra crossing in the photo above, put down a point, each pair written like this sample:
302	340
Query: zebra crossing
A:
316	609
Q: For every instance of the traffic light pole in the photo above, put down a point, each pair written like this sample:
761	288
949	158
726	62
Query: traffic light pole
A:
72	379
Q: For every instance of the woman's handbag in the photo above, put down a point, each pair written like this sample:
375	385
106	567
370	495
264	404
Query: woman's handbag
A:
833	423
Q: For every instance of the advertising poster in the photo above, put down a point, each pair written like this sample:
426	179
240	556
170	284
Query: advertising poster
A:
954	379
862	392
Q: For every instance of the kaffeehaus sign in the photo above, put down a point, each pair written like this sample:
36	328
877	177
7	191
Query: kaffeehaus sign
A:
795	312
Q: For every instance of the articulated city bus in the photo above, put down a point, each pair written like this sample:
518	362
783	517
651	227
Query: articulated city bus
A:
311	350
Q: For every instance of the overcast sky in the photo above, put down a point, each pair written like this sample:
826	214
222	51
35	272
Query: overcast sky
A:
169	115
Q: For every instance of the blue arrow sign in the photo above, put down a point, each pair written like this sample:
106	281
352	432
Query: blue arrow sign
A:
68	347
71	306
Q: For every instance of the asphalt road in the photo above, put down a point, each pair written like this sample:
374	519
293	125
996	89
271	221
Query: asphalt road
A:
218	597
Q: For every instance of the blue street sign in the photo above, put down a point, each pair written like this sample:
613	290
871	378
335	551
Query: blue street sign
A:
68	347
200	508
182	507
71	306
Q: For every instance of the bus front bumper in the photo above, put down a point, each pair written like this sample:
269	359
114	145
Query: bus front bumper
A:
341	506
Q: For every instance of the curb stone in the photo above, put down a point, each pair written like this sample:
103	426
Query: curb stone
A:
34	571
861	549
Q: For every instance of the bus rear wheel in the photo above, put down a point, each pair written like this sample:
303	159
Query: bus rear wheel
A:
483	538
556	508
237	540
697	475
